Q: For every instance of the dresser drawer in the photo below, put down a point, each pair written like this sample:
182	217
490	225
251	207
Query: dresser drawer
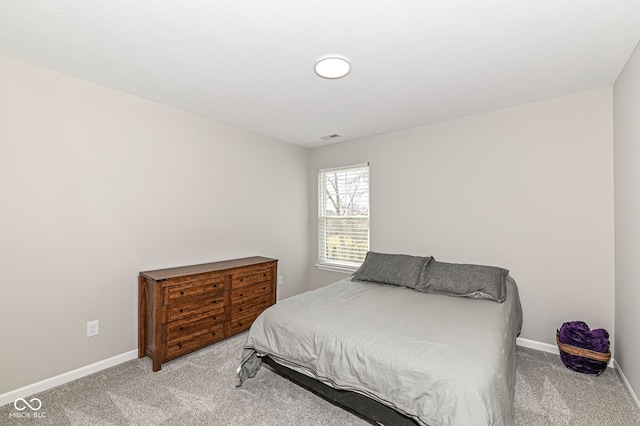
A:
179	292
256	276
204	305
191	327
180	348
187	335
241	324
248	292
248	306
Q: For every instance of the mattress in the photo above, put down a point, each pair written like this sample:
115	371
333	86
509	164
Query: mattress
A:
438	359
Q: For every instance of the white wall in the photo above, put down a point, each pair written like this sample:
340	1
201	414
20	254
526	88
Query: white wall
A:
528	188
97	185
626	107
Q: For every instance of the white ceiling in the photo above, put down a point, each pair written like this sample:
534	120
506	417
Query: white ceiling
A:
250	63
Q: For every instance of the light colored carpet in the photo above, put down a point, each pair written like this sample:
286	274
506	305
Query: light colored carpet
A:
200	389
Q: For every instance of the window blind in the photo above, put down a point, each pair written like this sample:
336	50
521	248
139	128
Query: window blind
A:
343	216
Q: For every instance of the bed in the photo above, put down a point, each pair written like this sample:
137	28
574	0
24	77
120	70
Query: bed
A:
431	357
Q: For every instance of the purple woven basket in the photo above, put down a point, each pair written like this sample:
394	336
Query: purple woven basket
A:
583	350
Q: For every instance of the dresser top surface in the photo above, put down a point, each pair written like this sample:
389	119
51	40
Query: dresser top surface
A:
167	273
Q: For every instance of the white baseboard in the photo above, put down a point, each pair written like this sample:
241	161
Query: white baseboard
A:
532	344
63	378
627	384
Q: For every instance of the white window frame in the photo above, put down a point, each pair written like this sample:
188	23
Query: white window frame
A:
343	256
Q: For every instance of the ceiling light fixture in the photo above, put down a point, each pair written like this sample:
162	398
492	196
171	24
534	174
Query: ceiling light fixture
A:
332	67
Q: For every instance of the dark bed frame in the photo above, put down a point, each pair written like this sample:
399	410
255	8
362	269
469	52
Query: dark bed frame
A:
360	404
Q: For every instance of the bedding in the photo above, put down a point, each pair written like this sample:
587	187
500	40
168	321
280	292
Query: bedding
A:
437	359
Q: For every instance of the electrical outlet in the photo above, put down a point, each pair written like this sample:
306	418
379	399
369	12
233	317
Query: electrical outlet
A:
280	280
93	328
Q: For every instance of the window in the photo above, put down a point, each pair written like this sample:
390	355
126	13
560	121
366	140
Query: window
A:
343	216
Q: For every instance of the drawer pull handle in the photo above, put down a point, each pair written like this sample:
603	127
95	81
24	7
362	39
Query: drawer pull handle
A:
240	324
214	302
181	328
181	310
214	318
215	286
213	334
264	301
180	346
240	309
181	293
241	279
241	294
264	275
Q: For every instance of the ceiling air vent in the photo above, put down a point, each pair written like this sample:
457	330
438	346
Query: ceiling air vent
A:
329	137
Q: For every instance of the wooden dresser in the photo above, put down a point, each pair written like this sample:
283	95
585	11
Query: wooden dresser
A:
187	308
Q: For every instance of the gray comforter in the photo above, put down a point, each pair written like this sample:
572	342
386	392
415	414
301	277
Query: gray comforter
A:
441	360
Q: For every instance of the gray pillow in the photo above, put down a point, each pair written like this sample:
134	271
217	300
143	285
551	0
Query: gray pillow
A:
396	269
473	281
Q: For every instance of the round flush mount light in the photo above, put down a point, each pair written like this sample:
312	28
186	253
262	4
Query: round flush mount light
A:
332	67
